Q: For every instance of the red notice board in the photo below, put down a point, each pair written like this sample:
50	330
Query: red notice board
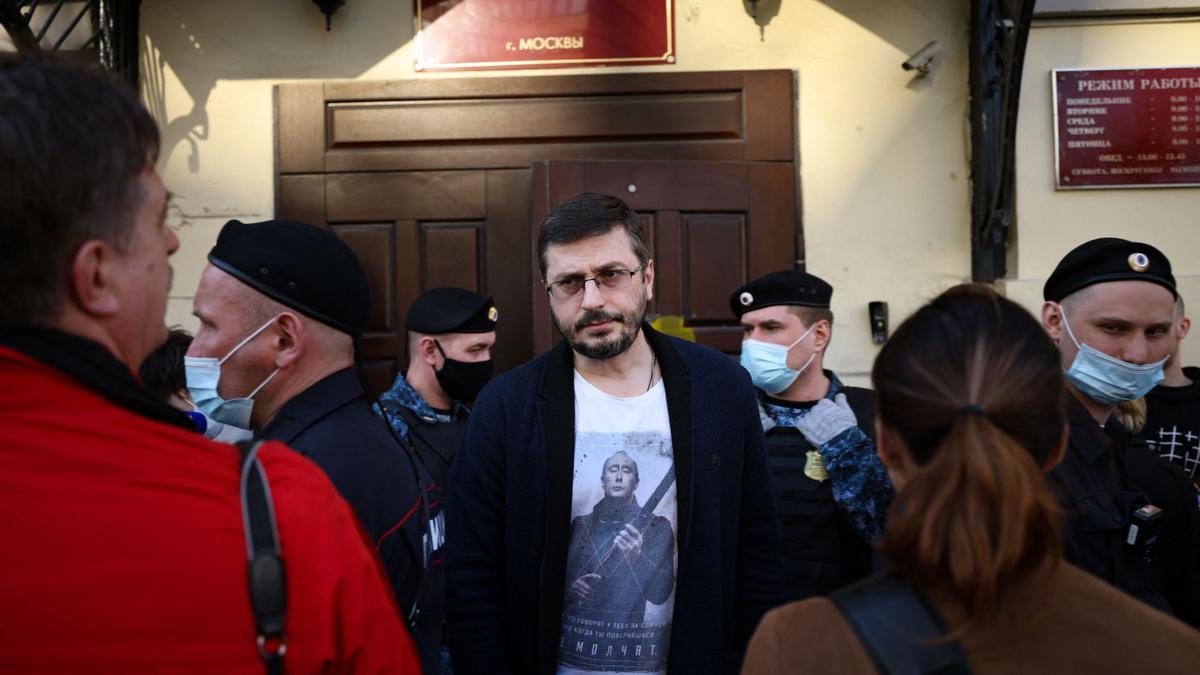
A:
507	34
1130	128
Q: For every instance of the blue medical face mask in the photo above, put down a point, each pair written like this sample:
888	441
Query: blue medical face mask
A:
767	363
203	374
1108	380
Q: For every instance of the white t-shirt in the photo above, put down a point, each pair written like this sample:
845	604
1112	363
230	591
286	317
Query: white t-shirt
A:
618	605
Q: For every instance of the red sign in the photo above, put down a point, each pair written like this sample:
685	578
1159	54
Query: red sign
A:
1137	127
506	34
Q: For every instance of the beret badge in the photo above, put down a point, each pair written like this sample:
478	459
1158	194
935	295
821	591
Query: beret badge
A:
746	299
1139	262
493	315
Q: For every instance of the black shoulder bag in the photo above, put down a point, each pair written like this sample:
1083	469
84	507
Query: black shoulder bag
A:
898	628
268	583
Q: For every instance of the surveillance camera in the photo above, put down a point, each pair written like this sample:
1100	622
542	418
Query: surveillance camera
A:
922	59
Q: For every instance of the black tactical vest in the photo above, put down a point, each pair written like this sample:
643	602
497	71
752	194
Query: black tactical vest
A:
435	443
822	550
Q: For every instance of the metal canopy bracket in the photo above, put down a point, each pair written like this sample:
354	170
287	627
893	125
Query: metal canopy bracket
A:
16	24
999	33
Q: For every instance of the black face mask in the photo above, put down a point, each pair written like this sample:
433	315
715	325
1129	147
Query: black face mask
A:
462	380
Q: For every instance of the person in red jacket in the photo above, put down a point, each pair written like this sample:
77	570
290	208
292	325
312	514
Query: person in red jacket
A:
124	546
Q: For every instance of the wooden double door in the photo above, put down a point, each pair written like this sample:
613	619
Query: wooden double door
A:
719	203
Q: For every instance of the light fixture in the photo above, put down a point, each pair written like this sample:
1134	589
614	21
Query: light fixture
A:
762	11
328	7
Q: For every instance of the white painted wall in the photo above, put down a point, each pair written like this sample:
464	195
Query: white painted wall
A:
883	157
1051	222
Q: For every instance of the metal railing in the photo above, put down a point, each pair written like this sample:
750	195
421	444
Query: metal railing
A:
113	26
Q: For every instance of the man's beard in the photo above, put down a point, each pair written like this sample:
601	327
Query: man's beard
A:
609	346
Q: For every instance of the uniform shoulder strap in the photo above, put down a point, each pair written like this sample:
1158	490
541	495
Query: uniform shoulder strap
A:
410	417
268	583
898	628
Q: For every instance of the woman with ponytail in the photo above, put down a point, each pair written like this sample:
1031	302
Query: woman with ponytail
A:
970	414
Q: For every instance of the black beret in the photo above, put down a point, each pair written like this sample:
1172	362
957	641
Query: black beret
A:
302	266
788	287
1108	259
451	310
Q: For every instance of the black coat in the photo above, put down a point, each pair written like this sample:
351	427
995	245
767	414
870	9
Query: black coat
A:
1174	564
509	515
331	423
1094	488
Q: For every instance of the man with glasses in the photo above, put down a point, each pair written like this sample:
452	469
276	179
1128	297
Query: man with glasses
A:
525	482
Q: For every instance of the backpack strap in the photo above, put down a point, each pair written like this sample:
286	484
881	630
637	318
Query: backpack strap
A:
409	448
268	583
900	630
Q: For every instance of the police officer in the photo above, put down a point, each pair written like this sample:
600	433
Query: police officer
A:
280	305
831	490
1132	519
451	332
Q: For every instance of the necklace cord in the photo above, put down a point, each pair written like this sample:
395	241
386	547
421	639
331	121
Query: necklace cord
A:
653	362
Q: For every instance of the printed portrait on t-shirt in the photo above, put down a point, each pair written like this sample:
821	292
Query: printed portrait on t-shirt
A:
621	559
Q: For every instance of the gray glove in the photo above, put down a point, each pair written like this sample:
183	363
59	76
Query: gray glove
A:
826	420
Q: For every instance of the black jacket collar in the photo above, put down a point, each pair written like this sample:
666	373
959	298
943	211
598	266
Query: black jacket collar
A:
312	405
91	365
556	406
1092	440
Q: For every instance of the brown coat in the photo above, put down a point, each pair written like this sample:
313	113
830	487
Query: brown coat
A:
1072	623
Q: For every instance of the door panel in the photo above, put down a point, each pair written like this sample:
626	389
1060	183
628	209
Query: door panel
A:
719	186
508	253
450	254
715	257
376	250
667	248
430	182
508	122
414	231
440	195
302	198
681	116
375	246
712	226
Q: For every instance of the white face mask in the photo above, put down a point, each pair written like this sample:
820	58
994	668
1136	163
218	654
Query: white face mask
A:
767	363
203	374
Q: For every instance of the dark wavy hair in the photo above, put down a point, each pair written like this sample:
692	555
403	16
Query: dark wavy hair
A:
163	372
73	143
973	386
586	215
